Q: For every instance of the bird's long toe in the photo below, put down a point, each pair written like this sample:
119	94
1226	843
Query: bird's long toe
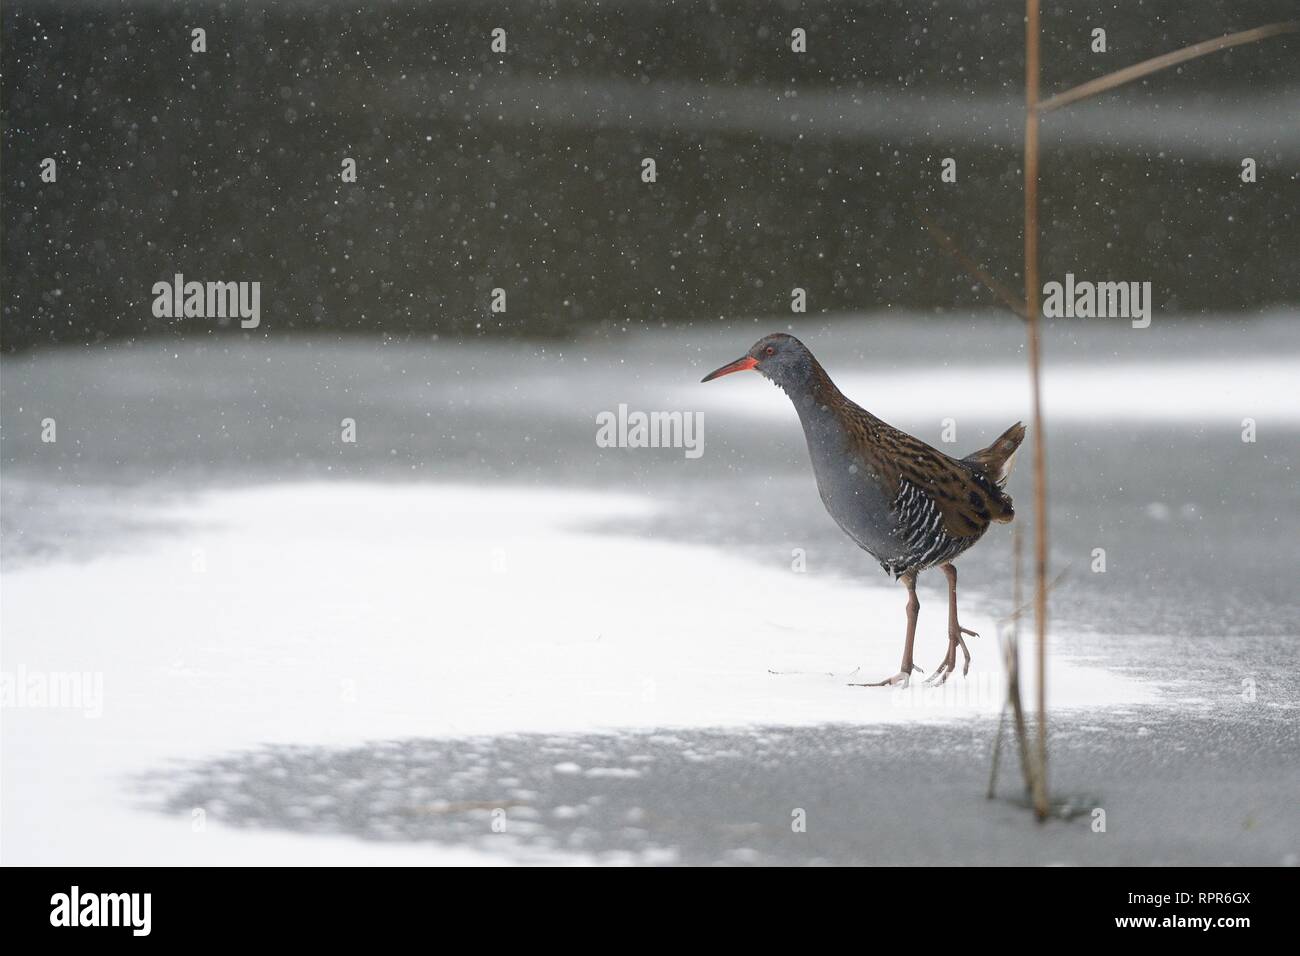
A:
958	641
945	668
901	679
940	675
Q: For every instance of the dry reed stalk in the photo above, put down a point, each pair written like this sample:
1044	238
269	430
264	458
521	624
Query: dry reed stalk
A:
1035	767
1032	317
1007	297
1162	62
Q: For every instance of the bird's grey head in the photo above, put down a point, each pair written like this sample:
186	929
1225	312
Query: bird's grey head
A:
780	358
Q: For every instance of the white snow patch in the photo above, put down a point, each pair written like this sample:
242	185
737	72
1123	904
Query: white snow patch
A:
336	614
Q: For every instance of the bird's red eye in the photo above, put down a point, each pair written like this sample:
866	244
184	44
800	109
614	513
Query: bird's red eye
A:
769	350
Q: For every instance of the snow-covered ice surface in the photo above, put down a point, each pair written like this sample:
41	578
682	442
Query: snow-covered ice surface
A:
334	615
609	650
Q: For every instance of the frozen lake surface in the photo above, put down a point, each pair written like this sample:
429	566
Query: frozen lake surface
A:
358	652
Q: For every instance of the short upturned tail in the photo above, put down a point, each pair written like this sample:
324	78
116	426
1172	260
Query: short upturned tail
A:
996	460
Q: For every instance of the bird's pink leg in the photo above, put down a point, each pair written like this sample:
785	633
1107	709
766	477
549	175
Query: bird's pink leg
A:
955	632
904	674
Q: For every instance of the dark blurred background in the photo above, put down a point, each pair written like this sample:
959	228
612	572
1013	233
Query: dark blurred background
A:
522	170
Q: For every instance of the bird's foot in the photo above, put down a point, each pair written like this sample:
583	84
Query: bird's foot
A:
949	663
902	679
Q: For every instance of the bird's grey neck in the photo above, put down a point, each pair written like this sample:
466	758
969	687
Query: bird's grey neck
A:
817	402
809	387
823	409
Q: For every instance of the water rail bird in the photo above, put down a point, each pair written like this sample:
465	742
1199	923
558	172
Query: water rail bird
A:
907	504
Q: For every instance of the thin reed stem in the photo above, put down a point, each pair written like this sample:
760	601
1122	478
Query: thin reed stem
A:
1032	315
1138	70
